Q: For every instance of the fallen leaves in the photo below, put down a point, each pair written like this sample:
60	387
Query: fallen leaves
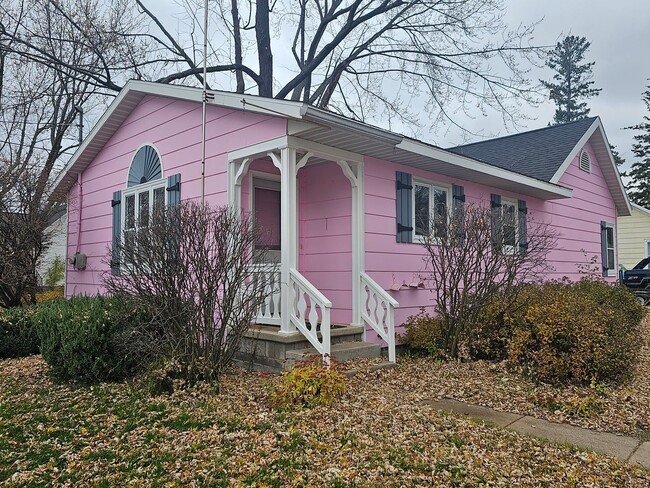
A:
378	434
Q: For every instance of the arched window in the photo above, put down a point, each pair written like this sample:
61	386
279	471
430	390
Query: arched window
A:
146	194
145	167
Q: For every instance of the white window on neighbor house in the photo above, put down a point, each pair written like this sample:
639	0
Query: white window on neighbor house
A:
608	253
431	203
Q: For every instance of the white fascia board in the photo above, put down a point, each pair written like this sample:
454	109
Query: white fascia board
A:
596	126
325	152
574	152
640	208
327	118
477	166
251	103
259	149
87	141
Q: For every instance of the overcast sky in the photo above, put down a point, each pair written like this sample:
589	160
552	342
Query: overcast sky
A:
620	46
619	32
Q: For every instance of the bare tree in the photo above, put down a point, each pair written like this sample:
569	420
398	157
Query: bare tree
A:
361	58
189	267
41	104
24	219
475	254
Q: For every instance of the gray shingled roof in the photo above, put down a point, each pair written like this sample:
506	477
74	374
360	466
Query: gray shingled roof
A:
538	153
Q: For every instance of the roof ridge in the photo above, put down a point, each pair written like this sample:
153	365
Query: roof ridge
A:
557	126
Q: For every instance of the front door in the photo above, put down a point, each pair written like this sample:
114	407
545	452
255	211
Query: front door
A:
266	209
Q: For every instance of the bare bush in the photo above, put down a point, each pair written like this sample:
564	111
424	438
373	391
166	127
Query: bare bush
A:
471	262
189	269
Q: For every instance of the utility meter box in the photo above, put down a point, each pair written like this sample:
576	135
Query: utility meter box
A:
78	261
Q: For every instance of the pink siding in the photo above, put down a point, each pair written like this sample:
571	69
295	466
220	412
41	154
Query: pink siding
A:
325	215
174	128
576	219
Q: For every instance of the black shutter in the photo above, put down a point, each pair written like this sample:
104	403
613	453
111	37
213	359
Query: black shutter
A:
603	246
522	216
116	203
173	207
495	204
458	213
404	188
174	190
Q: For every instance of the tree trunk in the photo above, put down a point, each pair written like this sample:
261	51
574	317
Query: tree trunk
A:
236	32
265	56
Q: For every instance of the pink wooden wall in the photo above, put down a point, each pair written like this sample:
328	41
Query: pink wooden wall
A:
577	221
174	128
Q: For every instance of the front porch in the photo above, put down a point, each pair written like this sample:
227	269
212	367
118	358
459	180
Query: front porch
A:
320	242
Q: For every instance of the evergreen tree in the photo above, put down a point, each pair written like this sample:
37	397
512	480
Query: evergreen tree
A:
572	79
639	188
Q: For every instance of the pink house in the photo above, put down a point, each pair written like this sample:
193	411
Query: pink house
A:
338	195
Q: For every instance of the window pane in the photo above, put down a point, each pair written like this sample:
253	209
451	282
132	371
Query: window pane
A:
610	237
509	228
130	212
143	209
421	210
610	258
440	212
158	202
267	215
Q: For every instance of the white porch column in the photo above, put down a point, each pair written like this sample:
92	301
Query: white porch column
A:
354	172
288	233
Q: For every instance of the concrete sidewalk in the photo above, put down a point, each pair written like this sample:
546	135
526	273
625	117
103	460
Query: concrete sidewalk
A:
625	448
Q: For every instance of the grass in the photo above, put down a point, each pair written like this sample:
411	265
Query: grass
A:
379	434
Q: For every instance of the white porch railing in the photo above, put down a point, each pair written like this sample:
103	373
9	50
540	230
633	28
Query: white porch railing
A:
269	312
309	308
378	311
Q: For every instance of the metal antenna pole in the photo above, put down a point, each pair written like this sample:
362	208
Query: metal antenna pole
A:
204	97
80	111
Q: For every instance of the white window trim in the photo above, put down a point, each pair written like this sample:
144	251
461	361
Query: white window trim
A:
515	204
611	271
133	191
432	185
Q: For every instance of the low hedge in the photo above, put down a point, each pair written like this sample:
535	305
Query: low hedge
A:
582	332
18	337
83	339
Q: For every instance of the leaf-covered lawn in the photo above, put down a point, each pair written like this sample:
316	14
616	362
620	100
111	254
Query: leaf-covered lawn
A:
379	434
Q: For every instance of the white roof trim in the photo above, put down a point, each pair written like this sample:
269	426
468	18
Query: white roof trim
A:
574	152
597	125
423	149
291	110
640	208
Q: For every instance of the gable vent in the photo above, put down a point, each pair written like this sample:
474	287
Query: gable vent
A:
585	162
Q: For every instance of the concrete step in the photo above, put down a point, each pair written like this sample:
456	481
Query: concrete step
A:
343	351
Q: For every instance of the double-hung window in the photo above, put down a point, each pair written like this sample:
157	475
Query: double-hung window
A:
142	204
430	210
509	225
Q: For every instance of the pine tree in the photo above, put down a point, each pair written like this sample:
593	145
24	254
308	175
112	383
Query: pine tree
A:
639	188
573	79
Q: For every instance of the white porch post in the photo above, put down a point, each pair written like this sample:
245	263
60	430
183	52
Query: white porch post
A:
288	233
354	172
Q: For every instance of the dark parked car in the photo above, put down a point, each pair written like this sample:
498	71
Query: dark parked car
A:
637	279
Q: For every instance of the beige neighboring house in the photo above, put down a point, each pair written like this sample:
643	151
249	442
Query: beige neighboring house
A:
58	228
634	237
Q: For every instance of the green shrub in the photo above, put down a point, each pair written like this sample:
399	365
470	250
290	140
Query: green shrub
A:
308	384
423	333
82	339
18	336
582	332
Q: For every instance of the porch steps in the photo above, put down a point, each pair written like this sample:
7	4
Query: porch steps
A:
263	348
343	351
